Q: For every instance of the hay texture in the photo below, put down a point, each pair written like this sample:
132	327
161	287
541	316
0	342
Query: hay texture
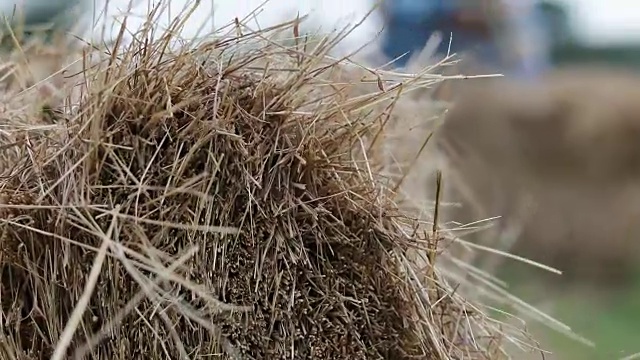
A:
220	205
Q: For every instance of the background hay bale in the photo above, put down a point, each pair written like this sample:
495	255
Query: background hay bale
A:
190	204
558	161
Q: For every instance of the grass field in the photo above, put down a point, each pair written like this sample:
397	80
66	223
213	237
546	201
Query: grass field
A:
611	320
608	317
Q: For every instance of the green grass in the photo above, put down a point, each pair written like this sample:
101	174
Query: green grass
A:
614	325
609	318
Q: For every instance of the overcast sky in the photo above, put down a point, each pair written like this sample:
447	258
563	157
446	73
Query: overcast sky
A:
606	21
594	21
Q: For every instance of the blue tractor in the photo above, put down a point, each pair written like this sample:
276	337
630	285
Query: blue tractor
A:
512	38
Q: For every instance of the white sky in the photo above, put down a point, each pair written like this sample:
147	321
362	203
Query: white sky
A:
597	22
606	21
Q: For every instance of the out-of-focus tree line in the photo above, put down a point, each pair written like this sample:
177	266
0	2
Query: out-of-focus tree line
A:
567	49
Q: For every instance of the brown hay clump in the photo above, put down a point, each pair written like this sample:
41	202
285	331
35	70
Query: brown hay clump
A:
197	204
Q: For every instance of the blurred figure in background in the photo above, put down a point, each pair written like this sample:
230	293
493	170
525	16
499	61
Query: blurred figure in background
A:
509	36
31	16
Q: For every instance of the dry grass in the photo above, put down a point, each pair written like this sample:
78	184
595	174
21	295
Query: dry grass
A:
208	203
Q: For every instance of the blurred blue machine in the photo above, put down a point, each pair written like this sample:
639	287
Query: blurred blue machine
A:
494	33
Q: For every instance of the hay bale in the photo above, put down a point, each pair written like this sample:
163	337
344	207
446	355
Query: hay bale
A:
558	161
194	204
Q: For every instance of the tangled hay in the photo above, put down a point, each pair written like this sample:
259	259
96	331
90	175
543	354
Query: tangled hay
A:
198	204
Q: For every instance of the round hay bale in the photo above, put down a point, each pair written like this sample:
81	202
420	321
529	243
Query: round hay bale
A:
193	204
558	161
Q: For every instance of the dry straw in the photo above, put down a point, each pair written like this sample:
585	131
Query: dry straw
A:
211	203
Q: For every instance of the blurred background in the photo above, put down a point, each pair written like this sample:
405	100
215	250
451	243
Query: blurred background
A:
560	32
605	311
549	34
592	31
